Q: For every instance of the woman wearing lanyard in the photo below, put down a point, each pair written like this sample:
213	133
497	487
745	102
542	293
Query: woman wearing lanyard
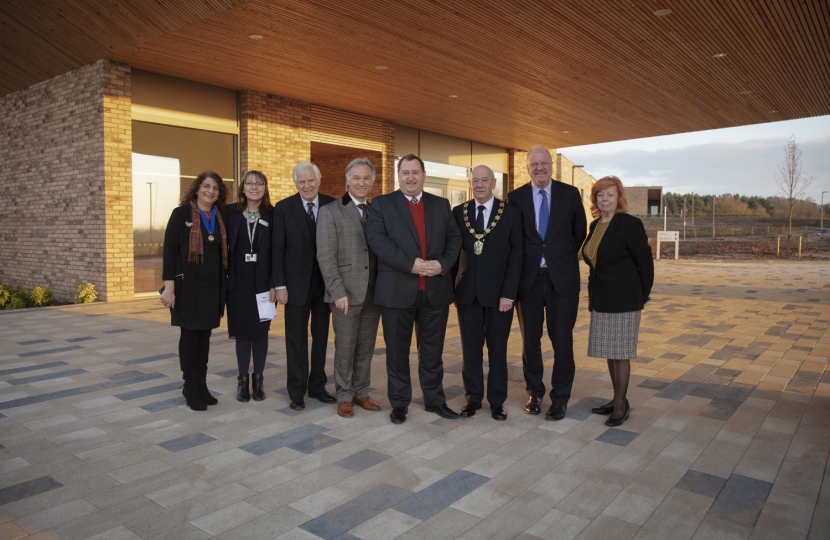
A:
250	273
195	259
619	284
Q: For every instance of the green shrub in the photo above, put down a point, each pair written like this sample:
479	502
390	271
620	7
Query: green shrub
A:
86	294
5	296
20	299
41	296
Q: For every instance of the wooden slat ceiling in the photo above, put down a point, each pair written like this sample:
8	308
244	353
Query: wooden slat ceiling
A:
524	72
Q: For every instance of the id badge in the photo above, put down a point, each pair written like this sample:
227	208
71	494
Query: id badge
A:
250	257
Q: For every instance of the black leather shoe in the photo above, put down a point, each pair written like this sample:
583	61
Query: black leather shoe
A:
556	411
398	414
469	410
611	422
533	405
603	409
297	404
243	392
442	411
259	392
325	397
498	413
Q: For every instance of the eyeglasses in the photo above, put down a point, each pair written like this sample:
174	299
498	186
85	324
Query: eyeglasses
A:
254	184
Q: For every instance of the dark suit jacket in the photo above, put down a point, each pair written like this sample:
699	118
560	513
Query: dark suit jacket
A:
176	268
495	273
392	236
294	249
266	278
624	274
564	237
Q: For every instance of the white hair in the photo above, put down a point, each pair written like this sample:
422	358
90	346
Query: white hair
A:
538	148
360	161
302	165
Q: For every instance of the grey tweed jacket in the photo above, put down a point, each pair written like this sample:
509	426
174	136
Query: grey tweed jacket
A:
346	262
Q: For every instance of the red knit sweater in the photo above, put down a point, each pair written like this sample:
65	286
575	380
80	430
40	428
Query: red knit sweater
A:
419	217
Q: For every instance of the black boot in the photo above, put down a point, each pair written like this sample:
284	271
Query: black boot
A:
242	392
201	383
191	395
259	393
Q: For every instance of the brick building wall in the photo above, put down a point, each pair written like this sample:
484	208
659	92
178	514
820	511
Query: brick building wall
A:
273	138
333	171
65	148
564	171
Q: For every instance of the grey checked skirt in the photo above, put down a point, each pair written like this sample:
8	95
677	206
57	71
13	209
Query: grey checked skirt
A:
614	335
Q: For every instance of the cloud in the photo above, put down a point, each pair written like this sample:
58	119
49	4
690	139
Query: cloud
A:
746	167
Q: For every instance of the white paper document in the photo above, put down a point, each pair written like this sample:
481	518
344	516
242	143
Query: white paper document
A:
267	309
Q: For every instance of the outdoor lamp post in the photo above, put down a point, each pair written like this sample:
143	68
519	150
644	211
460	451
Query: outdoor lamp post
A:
573	169
821	225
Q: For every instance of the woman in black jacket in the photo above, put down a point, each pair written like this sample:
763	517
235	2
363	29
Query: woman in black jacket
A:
250	229
619	284
194	274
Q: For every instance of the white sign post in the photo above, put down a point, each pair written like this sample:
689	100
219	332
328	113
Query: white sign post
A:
669	236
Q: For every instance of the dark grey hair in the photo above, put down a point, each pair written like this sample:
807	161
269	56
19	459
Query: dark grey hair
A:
360	161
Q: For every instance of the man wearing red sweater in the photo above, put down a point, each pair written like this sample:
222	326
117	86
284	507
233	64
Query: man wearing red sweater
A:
417	242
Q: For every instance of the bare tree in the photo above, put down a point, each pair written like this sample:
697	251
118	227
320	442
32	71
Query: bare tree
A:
792	182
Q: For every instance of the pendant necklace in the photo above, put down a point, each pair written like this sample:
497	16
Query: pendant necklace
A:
252	216
210	223
478	245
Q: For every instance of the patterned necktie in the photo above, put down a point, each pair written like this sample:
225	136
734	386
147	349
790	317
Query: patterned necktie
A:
480	219
311	212
414	201
363	212
544	214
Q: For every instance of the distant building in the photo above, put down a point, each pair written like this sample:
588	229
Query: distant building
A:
645	200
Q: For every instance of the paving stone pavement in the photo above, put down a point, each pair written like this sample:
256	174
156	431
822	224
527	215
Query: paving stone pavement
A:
728	436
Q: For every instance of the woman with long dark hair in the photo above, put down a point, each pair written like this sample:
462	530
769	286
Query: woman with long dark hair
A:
194	274
250	229
620	280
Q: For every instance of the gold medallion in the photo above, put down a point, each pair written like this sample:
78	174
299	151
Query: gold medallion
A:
478	246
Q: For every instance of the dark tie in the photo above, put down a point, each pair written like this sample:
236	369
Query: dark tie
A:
544	214
311	212
415	201
363	212
480	219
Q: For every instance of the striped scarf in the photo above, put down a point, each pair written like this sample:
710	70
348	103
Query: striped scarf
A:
196	249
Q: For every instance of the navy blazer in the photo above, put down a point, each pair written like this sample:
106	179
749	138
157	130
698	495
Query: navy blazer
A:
175	266
235	220
495	273
294	249
391	234
624	272
564	237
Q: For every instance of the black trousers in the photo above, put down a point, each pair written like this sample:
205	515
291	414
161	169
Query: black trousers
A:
430	324
301	379
478	324
561	313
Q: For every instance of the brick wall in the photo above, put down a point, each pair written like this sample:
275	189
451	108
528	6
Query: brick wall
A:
517	175
274	137
65	148
564	171
333	171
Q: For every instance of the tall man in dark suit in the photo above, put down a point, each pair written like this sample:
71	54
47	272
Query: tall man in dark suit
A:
300	286
554	224
486	286
417	242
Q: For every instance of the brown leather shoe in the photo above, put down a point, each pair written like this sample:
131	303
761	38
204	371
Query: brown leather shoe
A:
367	403
345	409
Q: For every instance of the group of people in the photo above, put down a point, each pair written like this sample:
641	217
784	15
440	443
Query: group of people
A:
401	260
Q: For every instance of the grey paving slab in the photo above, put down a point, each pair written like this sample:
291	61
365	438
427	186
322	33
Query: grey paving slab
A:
362	508
35	367
26	489
33	342
60	394
46	376
362	460
432	499
280	440
620	437
701	483
188	441
78	339
49	351
164	405
150	391
148	359
313	444
741	500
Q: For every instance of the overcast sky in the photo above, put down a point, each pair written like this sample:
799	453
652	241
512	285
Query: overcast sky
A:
733	160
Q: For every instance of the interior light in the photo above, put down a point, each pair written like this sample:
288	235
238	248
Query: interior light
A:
662	12
453	96
381	68
719	55
255	37
774	111
566	131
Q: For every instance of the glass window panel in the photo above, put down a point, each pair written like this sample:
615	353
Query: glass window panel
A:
166	159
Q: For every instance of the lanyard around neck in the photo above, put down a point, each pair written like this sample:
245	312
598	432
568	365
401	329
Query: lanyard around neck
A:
210	224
